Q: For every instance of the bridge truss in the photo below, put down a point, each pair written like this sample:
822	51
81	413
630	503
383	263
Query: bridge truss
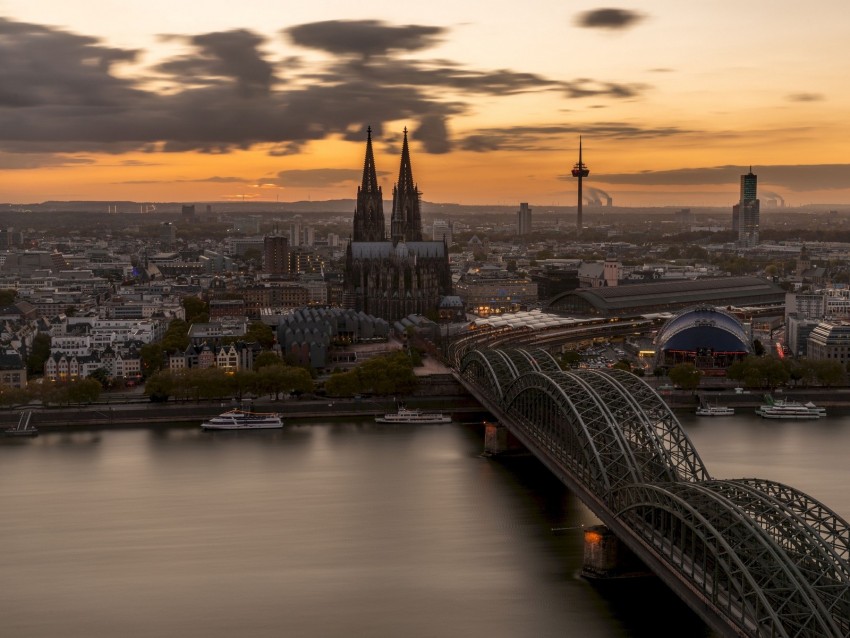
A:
765	558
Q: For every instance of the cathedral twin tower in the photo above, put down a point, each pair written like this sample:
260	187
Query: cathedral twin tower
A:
406	220
403	275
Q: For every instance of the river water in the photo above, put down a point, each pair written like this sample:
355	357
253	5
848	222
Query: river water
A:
336	529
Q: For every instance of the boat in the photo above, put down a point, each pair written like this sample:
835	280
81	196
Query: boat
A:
403	415
244	420
715	410
787	409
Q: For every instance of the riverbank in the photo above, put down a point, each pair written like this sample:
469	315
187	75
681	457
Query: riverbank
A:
142	413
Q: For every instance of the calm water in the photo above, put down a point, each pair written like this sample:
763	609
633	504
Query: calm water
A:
344	529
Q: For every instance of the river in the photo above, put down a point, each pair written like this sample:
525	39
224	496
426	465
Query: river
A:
336	529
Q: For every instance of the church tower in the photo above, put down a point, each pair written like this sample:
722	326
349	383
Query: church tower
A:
369	214
406	220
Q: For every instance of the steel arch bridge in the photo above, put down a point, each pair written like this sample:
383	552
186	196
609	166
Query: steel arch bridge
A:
754	557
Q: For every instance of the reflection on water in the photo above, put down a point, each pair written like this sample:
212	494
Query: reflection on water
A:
345	528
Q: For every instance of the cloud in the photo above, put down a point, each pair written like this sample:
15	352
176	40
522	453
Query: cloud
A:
228	56
365	38
317	177
805	97
612	19
26	161
214	180
798	177
59	92
525	138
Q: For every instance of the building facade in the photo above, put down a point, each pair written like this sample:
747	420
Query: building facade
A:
402	276
745	214
523	219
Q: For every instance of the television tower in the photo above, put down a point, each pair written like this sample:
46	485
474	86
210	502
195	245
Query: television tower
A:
580	171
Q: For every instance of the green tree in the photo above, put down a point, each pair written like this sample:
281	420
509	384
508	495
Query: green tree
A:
177	336
83	391
570	359
197	310
685	375
828	373
10	395
267	358
101	375
151	355
261	333
39	352
7	297
758	348
160	386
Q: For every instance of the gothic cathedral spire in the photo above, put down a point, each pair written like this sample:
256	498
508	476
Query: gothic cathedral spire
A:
406	220
369	214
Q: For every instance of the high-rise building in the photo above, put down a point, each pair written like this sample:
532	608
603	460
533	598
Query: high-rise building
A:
167	235
295	232
443	231
523	219
745	214
276	255
187	212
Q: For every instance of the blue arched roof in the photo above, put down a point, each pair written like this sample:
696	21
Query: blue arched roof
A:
703	327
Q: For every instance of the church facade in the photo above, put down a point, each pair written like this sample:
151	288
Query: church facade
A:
400	275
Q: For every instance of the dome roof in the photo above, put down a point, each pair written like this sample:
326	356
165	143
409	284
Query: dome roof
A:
703	327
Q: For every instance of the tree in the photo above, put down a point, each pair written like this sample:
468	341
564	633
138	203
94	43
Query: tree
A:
151	355
83	391
160	386
177	336
267	359
261	333
7	297
101	375
39	353
197	310
758	348
570	359
685	375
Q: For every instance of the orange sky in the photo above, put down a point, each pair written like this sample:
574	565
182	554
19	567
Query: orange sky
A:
157	101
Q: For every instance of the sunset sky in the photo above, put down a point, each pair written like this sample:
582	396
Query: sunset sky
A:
198	101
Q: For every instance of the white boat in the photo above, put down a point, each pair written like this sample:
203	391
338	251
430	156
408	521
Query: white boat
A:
244	420
787	409
403	415
715	410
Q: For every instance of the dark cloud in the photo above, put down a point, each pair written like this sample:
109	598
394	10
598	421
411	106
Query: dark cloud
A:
801	177
213	180
613	19
318	177
365	38
59	92
805	97
525	138
227	56
433	134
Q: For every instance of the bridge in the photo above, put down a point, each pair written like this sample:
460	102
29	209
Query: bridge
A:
752	557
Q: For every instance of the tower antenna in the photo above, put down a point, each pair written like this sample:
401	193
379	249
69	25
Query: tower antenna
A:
580	171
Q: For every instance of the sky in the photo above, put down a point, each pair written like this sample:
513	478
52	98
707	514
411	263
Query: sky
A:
200	101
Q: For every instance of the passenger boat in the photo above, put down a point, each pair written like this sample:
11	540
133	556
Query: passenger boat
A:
787	409
715	410
244	420
403	415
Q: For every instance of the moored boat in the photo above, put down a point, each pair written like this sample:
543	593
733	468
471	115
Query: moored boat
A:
244	420
787	409
403	415
715	410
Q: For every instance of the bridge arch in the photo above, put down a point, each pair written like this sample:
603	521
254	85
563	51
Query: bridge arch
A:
722	549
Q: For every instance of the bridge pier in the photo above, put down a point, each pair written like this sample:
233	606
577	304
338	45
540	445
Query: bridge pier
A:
605	557
495	438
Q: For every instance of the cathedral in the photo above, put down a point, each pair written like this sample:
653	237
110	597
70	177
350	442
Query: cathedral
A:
403	275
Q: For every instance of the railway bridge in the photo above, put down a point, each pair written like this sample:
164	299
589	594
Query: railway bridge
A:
751	556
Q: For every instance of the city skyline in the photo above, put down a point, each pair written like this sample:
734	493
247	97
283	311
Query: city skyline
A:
148	102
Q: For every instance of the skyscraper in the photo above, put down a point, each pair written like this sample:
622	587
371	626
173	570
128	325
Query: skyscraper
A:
745	214
275	255
523	219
